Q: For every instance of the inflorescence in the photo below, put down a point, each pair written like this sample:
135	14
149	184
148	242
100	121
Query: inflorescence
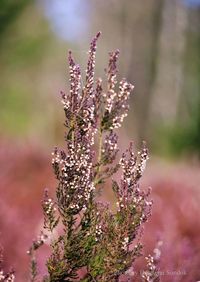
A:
92	239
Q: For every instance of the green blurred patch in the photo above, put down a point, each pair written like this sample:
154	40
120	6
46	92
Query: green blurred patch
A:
183	137
25	41
23	47
9	11
26	51
173	141
185	140
15	110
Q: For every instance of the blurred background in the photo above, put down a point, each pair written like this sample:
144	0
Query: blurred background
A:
159	42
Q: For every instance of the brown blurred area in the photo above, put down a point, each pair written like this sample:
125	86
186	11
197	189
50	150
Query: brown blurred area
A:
159	43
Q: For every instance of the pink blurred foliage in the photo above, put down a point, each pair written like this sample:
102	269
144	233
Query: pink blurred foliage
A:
26	171
175	222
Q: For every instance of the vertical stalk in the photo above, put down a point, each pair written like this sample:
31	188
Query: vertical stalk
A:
99	154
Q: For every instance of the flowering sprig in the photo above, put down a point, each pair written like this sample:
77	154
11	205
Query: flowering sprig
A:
110	149
94	238
116	102
49	211
151	274
5	276
36	244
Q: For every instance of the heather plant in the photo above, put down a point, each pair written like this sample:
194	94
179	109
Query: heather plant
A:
89	241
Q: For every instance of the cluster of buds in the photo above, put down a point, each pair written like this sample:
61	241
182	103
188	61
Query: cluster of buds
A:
110	150
49	211
37	243
116	102
112	81
90	68
133	166
151	274
75	176
5	276
132	169
125	243
98	231
31	252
